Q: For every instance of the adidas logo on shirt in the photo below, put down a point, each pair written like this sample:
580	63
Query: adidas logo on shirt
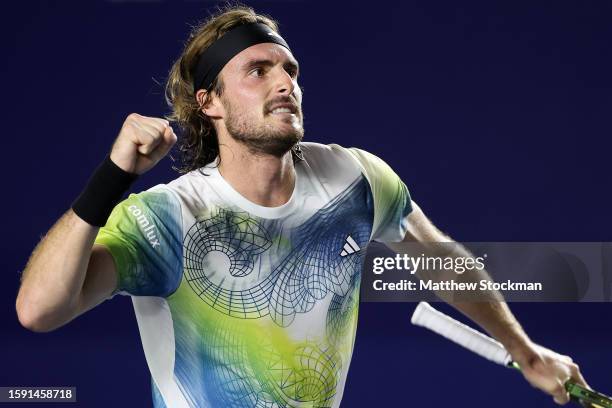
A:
350	247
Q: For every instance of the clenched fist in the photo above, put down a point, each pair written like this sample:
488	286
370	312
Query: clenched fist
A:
142	142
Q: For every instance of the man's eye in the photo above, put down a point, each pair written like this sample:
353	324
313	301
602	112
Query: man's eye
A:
257	72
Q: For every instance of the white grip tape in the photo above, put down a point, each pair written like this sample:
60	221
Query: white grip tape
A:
430	318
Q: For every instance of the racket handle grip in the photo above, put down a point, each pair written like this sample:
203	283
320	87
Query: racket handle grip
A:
428	317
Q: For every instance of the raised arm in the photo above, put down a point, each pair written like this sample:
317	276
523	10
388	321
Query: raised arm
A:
64	276
67	274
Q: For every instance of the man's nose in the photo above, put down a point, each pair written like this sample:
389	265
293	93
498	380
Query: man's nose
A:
284	82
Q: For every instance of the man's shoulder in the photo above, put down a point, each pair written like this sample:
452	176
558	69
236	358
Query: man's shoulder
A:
328	157
320	149
187	185
333	151
158	198
163	193
333	158
330	163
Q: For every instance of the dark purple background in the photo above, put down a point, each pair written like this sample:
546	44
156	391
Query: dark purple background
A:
497	117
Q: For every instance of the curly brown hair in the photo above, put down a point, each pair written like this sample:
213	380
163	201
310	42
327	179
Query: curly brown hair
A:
198	144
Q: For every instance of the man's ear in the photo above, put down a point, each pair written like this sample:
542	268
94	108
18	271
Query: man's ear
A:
211	108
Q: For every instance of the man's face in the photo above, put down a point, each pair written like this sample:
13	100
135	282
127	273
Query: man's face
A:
261	100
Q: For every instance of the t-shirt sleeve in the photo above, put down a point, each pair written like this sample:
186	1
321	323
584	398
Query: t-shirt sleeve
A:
391	198
143	234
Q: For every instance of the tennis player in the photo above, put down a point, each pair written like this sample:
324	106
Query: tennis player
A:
244	271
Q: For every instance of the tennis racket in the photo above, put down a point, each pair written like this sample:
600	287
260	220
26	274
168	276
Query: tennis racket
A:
436	321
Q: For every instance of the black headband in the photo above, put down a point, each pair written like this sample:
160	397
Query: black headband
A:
219	53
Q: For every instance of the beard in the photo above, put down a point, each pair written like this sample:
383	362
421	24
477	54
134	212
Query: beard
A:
265	136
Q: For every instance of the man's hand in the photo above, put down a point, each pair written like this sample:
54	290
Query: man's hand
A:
548	371
142	142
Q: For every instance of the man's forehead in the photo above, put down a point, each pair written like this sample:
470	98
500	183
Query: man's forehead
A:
263	51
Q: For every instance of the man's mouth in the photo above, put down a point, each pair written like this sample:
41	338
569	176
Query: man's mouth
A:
279	111
284	109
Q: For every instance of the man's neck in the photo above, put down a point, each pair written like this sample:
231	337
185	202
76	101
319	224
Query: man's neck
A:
265	180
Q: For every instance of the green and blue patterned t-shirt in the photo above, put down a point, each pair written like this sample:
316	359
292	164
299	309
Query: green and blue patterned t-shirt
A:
240	305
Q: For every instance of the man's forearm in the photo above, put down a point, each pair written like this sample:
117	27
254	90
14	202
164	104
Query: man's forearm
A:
54	275
497	319
487	308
